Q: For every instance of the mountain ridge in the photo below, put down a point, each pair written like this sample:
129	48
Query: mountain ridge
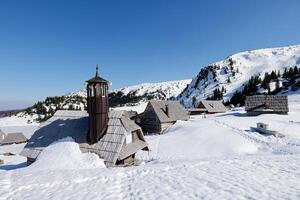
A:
236	70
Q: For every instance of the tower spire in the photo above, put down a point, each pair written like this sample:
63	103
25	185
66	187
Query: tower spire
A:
97	70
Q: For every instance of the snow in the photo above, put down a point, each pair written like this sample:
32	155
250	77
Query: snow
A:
182	141
139	108
27	130
66	154
245	65
17	120
217	157
169	88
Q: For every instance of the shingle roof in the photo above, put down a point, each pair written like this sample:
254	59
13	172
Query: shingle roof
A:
14	138
131	148
75	125
111	146
266	103
213	106
176	111
97	79
62	124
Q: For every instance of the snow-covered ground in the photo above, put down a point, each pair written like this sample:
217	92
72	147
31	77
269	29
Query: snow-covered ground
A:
217	157
18	120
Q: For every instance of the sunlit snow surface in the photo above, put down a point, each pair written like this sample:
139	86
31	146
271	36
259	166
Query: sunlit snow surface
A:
216	157
245	65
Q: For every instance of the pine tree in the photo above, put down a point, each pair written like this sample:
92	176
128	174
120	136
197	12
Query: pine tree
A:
291	72
194	101
228	80
277	85
278	74
273	75
296	71
231	62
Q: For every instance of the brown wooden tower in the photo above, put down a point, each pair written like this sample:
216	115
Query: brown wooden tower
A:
97	106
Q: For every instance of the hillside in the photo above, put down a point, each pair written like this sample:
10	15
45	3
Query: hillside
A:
133	95
232	74
127	96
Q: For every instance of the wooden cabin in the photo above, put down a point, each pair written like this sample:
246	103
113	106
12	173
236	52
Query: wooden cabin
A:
266	104
159	115
14	138
208	106
109	134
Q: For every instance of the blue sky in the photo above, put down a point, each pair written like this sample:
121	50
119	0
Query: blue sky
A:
51	47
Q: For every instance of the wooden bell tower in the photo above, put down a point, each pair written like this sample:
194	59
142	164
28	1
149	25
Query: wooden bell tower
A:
97	106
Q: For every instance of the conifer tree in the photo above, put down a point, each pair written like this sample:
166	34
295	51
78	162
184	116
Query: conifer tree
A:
296	71
228	80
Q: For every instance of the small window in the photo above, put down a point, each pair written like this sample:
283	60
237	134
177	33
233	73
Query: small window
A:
91	91
102	92
128	138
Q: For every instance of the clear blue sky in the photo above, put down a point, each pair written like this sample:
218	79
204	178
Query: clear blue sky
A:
51	47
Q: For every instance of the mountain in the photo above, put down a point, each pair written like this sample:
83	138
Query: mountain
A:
232	74
127	96
133	95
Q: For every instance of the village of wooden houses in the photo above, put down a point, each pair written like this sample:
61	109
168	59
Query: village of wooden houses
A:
165	131
117	135
160	117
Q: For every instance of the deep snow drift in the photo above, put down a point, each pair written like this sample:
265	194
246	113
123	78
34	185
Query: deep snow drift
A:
65	154
195	140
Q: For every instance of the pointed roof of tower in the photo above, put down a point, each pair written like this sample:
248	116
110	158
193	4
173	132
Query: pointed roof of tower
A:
97	78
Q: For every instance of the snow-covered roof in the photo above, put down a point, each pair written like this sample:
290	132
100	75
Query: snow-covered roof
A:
175	110
62	124
75	124
111	146
12	138
213	106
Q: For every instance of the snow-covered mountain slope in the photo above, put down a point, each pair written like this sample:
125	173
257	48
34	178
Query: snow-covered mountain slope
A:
146	91
127	96
161	90
236	70
165	89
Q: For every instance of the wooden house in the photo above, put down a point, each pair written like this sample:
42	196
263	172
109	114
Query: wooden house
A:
110	134
14	138
2	135
266	104
159	115
123	138
208	106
